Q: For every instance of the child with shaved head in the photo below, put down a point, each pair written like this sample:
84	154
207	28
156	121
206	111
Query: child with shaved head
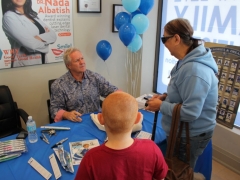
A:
122	157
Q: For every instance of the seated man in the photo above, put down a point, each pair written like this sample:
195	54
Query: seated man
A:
78	91
122	157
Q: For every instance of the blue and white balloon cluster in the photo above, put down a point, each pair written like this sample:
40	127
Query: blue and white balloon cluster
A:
130	26
134	23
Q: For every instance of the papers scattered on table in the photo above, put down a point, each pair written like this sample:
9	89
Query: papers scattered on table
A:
80	148
11	149
55	168
64	158
143	135
39	168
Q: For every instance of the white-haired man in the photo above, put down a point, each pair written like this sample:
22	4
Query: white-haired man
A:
78	91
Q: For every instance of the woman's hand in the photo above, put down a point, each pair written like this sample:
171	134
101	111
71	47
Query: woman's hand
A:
153	104
162	97
38	38
46	29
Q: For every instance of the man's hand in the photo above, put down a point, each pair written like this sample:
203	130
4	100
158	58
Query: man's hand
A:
153	104
72	116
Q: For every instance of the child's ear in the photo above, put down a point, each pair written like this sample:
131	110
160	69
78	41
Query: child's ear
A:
100	118
139	116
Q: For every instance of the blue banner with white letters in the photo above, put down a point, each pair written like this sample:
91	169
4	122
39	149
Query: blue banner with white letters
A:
214	21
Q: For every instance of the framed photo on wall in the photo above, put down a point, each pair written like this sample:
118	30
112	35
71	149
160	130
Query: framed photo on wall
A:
117	8
227	58
89	6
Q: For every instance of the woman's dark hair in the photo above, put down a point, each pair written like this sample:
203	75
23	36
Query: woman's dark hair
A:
183	28
7	5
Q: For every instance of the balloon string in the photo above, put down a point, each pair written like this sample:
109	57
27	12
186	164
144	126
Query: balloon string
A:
128	70
137	64
133	66
108	71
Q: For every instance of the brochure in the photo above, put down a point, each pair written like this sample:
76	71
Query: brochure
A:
80	148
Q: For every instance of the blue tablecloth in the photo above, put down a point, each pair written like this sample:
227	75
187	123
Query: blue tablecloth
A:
20	169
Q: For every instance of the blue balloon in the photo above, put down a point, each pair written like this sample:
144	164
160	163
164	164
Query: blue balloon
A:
126	33
121	18
136	44
141	23
146	6
135	13
131	5
104	49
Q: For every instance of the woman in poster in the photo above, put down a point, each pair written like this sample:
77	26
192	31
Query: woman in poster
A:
28	35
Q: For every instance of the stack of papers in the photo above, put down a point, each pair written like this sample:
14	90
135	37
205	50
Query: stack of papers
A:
79	149
12	149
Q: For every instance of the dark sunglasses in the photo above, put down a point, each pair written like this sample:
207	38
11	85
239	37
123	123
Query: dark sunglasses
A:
165	38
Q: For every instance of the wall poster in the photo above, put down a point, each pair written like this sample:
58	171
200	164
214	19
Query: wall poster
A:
228	60
34	31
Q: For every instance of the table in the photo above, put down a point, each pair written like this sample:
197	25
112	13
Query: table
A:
20	169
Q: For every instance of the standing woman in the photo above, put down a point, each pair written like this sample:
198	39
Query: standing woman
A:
193	83
28	35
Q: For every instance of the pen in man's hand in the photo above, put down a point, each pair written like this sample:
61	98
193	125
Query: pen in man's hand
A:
60	142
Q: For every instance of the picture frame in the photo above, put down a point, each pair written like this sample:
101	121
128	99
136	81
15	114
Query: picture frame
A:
117	8
228	88
89	6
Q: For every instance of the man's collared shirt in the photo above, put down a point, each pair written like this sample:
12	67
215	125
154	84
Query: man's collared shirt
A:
69	94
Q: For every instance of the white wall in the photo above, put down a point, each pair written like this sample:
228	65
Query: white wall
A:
148	56
226	147
29	85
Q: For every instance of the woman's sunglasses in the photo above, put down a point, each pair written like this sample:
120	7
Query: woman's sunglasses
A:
165	38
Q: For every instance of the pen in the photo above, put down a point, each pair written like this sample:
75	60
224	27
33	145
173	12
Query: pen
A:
45	137
42	138
60	142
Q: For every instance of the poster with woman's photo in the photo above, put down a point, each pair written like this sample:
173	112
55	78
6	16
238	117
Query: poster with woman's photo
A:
227	58
34	32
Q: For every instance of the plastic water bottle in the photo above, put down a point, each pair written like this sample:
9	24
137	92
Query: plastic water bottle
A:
31	128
